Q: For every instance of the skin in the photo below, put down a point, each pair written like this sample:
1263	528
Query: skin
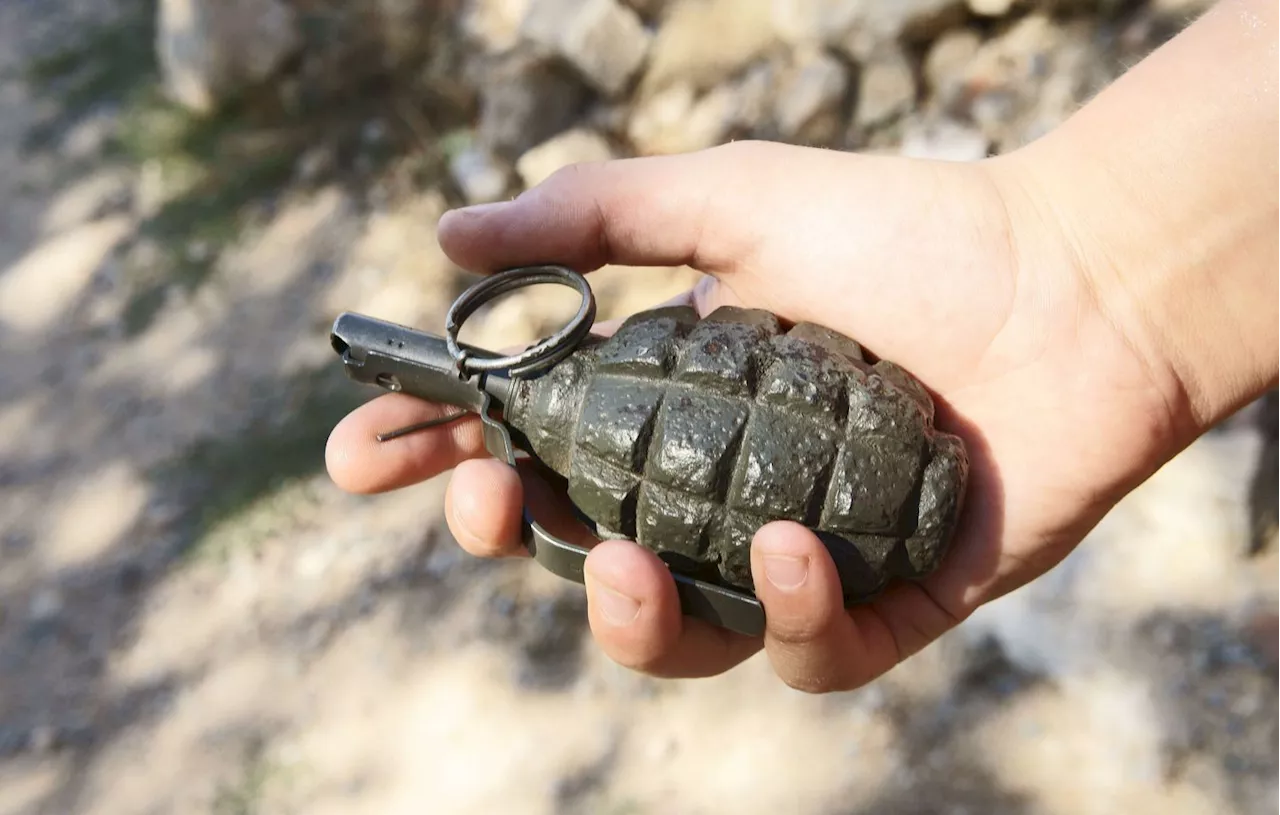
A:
1082	309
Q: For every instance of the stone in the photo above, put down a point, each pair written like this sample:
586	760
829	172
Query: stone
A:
886	88
404	28
210	50
651	11
1029	79
314	164
576	146
703	43
944	140
810	98
605	42
879	24
675	121
494	24
526	100
990	8
1264	517
45	605
948	61
816	22
480	176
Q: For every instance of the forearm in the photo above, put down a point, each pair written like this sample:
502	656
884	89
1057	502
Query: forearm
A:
1165	189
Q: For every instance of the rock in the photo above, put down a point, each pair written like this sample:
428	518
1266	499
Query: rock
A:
43	739
315	163
816	23
494	24
651	11
576	146
703	43
404	27
990	8
807	106
674	121
944	140
886	88
1031	78
1262	631
1263	486
210	50
479	175
948	61
525	101
604	41
879	24
45	606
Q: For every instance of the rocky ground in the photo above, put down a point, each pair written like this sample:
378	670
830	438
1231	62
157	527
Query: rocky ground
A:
192	619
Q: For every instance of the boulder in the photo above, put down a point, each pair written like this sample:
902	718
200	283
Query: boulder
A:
606	42
525	100
211	50
577	146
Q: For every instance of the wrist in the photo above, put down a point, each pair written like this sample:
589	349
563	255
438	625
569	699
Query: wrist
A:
1119	406
1169	215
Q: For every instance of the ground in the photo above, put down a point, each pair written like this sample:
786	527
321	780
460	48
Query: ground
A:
193	619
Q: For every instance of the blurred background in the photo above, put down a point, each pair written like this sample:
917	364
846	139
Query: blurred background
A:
194	620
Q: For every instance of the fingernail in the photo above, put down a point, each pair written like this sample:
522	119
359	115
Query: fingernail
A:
616	607
785	572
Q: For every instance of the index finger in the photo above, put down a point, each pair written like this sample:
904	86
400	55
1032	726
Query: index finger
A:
358	462
654	211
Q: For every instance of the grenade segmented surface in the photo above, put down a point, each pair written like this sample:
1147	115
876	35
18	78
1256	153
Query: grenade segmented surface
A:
687	435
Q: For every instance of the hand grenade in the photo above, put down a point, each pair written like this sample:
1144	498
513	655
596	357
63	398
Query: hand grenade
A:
687	434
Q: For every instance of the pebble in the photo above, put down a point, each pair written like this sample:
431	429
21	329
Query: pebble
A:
45	606
948	60
479	174
571	147
886	88
42	739
817	87
314	163
990	8
495	24
208	50
604	41
526	101
674	121
707	42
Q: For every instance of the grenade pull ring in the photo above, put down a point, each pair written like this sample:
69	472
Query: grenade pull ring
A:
443	370
543	354
535	359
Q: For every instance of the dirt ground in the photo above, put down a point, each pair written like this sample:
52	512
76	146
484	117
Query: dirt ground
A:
194	620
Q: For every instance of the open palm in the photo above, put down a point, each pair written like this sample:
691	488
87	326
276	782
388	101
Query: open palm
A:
950	270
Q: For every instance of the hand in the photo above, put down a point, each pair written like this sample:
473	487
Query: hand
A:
946	269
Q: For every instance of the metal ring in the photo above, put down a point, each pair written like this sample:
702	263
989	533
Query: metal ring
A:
542	354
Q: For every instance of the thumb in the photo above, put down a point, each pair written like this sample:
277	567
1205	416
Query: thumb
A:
654	211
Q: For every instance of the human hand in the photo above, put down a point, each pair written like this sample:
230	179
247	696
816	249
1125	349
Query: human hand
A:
945	269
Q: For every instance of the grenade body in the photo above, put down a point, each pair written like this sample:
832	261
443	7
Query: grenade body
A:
687	435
